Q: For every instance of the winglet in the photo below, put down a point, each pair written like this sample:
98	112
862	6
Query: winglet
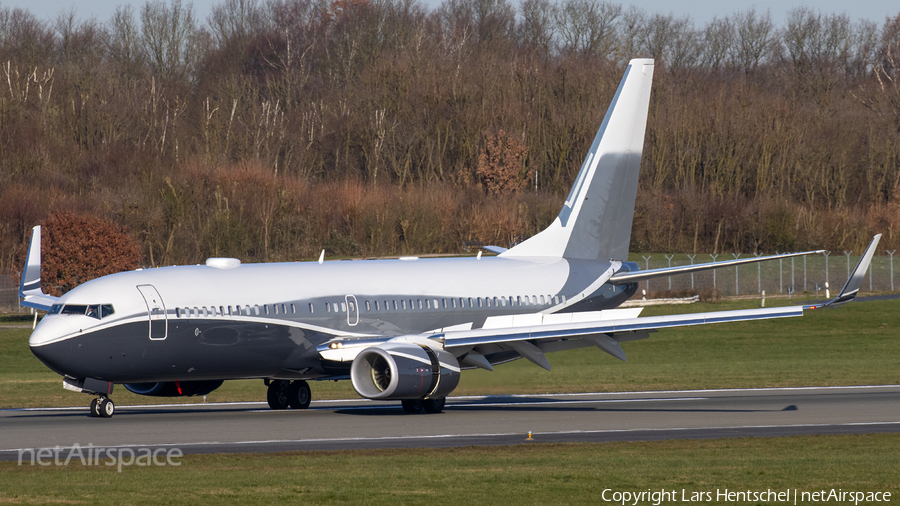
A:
854	282
31	277
30	286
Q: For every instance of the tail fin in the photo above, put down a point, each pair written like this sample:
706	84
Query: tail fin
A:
595	221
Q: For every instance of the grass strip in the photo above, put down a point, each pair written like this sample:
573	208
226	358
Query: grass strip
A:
522	474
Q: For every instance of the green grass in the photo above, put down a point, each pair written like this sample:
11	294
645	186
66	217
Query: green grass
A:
849	345
522	474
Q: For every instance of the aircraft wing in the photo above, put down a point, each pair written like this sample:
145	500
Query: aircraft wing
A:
30	286
622	278
533	335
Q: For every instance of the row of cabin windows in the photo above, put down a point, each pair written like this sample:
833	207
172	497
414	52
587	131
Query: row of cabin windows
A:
463	302
245	310
384	305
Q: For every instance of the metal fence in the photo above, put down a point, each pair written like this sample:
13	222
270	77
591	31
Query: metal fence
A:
9	294
786	276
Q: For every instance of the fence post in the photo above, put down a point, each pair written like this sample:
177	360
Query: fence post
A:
793	284
826	266
780	274
670	257
759	275
804	273
647	267
736	255
692	274
714	270
891	253
848	262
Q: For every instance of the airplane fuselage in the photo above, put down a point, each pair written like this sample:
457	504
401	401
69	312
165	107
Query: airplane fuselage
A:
266	320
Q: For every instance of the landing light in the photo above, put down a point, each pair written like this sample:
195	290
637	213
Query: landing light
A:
335	346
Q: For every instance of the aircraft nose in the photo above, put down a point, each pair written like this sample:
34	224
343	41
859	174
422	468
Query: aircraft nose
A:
50	329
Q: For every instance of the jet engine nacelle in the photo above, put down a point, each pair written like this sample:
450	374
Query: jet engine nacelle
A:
404	371
174	389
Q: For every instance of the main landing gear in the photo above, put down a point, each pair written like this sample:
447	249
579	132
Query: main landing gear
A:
426	405
103	407
284	394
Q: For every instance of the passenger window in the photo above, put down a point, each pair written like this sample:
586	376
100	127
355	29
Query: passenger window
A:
503	301
368	306
177	313
256	309
436	304
403	303
453	303
351	306
444	303
377	307
470	302
427	304
395	304
293	309
563	299
205	312
335	307
479	301
327	307
542	300
310	308
283	309
420	303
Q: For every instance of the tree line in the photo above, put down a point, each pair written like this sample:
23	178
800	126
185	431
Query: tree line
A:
275	128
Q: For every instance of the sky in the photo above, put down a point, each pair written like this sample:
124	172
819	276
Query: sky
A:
701	11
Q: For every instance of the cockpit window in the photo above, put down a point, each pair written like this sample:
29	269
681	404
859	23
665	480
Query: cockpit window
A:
73	309
98	311
55	309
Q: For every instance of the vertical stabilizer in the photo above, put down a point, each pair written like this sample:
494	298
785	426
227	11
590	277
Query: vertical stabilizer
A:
595	221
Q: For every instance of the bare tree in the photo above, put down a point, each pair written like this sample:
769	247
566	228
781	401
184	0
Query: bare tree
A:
169	38
587	27
756	39
536	28
236	21
718	38
123	39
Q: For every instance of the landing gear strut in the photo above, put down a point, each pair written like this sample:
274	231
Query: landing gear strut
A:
284	394
103	407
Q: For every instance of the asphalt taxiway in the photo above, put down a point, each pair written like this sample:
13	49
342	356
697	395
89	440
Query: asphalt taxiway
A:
466	421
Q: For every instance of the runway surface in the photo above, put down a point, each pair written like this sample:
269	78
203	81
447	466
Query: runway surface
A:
466	421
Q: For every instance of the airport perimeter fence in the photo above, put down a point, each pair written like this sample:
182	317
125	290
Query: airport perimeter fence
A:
777	277
786	276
